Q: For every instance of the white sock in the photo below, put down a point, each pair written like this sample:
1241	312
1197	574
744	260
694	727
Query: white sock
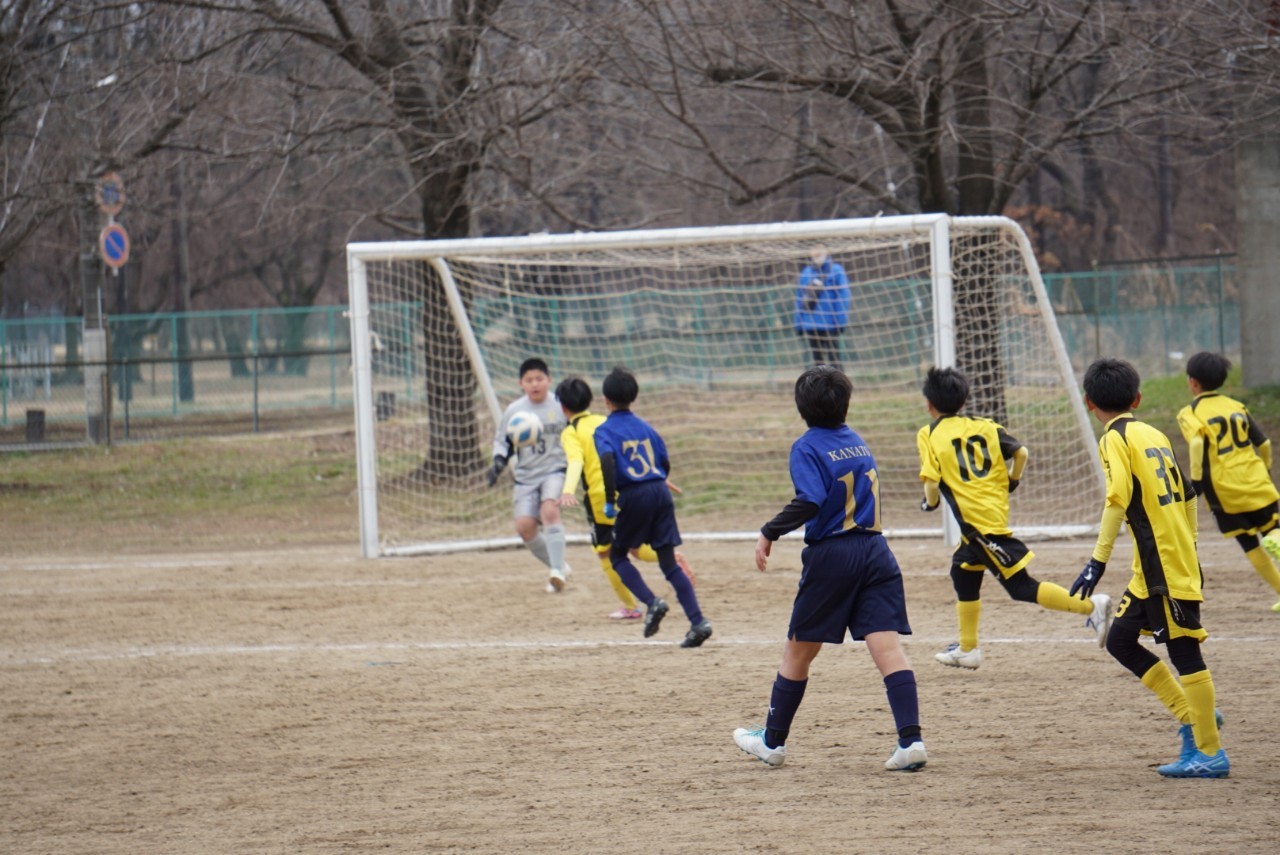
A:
538	546
553	535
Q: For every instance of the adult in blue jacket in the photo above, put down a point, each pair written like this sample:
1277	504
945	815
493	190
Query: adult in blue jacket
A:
822	307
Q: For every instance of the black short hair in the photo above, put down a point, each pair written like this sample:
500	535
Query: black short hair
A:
1112	384
621	388
574	394
534	364
946	389
822	396
1209	370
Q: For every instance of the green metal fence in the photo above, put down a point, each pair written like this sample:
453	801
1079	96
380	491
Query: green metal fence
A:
177	374
232	371
1152	315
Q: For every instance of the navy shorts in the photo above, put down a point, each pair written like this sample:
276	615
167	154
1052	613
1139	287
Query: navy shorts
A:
851	582
646	514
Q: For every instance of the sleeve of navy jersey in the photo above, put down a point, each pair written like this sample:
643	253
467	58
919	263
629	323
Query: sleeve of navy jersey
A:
826	465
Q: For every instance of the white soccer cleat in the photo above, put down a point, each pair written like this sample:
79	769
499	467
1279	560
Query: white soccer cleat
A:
555	582
957	658
1103	614
751	740
909	759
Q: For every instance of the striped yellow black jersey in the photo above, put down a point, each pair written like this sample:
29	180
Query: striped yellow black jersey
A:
1144	479
968	459
1230	456
578	439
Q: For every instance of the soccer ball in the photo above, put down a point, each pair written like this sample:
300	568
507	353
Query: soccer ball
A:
524	430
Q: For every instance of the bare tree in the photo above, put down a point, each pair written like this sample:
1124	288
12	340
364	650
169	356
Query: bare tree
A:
923	105
80	97
446	82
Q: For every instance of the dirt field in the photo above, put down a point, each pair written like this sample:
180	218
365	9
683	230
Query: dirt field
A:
314	702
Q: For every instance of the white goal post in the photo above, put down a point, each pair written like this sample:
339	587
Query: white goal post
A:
704	318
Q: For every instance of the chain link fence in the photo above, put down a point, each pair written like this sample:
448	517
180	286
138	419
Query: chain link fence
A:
248	371
174	375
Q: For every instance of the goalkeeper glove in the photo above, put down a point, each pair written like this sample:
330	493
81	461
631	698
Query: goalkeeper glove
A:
925	506
1013	484
499	463
610	510
1088	578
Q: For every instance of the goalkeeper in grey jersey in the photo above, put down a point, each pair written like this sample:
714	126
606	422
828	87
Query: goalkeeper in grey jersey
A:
539	469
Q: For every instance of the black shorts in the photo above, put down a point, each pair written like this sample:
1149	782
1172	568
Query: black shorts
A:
1249	522
1152	616
601	533
1003	555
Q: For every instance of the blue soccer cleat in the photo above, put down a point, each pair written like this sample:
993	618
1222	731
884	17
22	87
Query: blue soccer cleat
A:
1198	765
1189	738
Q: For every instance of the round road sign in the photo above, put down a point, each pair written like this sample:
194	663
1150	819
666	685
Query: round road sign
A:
113	244
109	194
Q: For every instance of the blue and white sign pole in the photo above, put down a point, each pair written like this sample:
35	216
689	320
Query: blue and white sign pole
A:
113	245
113	250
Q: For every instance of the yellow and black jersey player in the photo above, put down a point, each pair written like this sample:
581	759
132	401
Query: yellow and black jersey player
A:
1231	466
1146	488
974	464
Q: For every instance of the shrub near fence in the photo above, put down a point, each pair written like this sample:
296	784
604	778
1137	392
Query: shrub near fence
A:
247	371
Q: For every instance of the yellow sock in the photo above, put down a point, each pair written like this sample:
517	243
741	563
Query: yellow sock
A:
968	611
646	553
624	593
1160	680
1201	701
1261	562
1055	597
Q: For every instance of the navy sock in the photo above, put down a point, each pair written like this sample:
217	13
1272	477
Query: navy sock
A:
900	686
784	700
684	592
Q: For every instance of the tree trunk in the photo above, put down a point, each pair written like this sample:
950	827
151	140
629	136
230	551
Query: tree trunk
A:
454	449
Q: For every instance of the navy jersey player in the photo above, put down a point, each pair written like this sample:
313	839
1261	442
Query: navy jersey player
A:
634	464
849	580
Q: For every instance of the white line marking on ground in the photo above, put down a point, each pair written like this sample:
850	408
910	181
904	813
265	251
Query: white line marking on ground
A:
179	651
